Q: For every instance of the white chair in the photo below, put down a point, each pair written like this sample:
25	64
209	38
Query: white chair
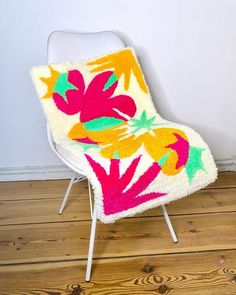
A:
66	46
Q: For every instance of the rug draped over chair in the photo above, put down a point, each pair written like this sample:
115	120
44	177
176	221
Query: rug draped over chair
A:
101	113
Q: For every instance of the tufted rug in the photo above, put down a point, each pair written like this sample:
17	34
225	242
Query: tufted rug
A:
101	113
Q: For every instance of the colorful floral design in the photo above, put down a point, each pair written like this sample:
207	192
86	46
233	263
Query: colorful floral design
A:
115	124
94	102
117	142
115	197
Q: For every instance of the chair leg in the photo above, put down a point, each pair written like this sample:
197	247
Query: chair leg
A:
67	193
90	200
91	246
169	224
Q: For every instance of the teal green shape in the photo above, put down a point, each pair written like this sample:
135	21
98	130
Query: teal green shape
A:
110	81
86	146
142	122
163	159
102	123
194	162
62	85
116	155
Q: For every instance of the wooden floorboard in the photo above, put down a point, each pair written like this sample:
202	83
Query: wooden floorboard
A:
129	237
42	252
183	274
55	188
42	189
224	180
46	210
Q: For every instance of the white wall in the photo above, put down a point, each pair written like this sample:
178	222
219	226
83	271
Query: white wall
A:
187	49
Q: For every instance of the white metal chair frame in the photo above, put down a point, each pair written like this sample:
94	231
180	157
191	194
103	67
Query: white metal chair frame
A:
78	174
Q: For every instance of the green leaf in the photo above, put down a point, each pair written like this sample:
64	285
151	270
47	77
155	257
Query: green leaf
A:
110	81
163	159
62	85
102	123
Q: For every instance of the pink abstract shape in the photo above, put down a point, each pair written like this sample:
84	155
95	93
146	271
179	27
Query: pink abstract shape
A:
72	104
94	102
113	185
181	146
76	78
85	140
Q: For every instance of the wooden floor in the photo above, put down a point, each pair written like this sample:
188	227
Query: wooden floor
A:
44	253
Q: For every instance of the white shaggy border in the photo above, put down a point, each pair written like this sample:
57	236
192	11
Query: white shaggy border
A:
199	182
176	187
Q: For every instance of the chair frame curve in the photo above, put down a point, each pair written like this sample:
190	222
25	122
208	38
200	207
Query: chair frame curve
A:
79	175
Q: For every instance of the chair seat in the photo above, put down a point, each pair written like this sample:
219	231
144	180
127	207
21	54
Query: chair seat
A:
69	157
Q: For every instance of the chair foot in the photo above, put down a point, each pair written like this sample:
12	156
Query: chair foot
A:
169	224
91	246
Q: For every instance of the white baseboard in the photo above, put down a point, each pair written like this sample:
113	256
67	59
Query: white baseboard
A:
226	164
35	173
62	172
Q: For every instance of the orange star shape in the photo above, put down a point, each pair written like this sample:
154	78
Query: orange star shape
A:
50	82
123	63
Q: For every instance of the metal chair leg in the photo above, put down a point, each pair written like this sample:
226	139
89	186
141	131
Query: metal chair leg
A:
91	246
67	193
90	199
169	224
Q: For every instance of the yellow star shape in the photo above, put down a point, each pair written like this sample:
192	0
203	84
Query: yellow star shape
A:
50	82
123	63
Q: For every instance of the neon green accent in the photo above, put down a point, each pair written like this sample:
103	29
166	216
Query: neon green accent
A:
163	159
85	146
110	81
116	155
143	122
102	123
62	85
194	162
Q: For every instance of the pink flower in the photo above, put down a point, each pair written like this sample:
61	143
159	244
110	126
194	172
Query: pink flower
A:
96	101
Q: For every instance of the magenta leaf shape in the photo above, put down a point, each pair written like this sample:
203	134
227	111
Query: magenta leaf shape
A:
72	104
95	101
181	146
115	198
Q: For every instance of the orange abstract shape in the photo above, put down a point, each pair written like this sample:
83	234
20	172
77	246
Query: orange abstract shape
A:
50	82
124	147
160	145
78	132
115	142
156	146
122	63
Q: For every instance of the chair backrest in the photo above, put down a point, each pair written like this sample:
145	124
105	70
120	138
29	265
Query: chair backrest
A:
67	46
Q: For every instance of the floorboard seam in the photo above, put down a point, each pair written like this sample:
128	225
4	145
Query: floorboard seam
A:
117	257
128	218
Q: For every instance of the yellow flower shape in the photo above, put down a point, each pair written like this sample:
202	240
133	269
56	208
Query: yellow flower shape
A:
78	131
163	144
